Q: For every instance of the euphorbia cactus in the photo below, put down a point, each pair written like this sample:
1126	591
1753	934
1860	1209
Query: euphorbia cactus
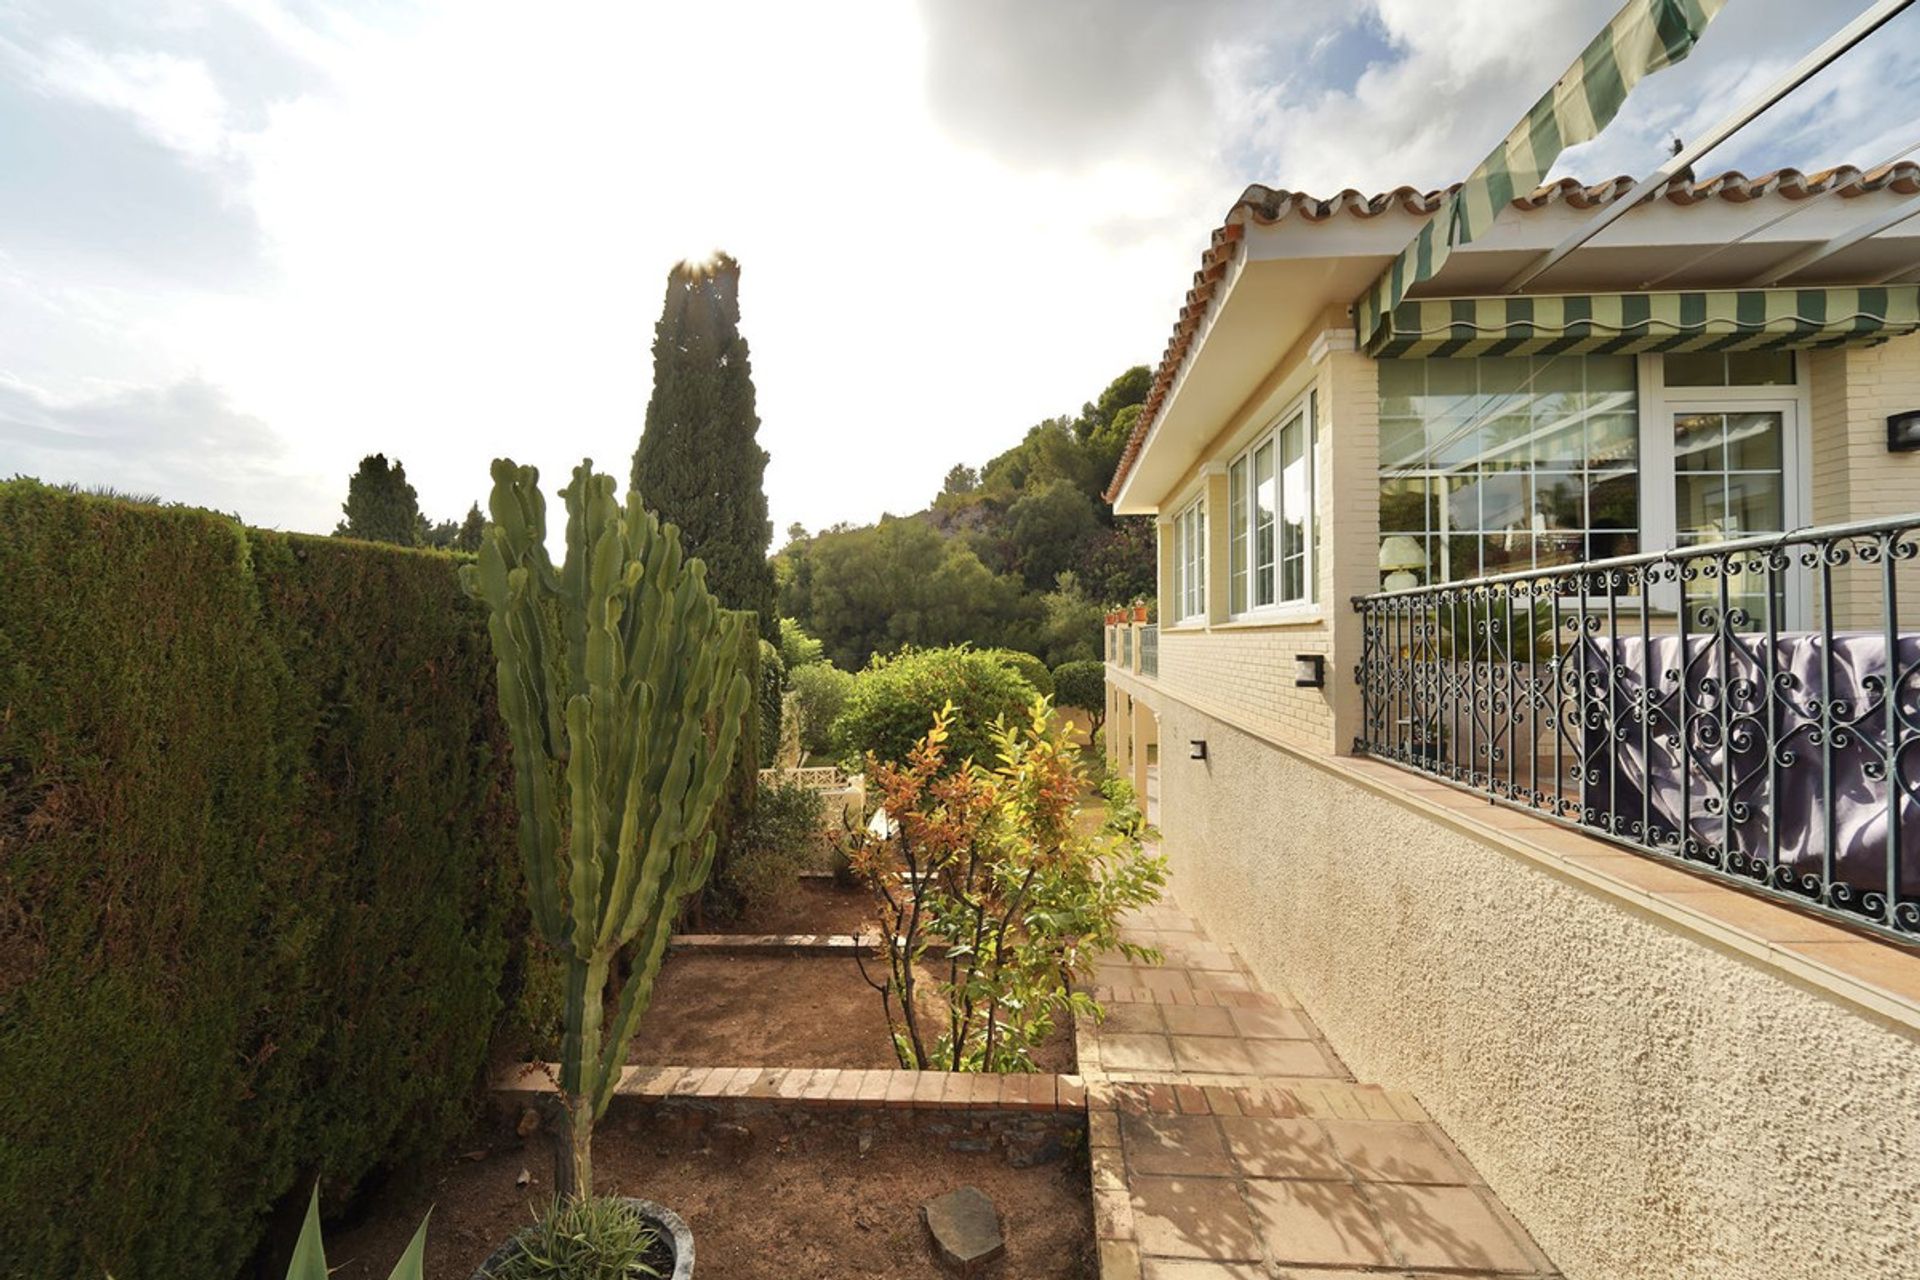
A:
620	685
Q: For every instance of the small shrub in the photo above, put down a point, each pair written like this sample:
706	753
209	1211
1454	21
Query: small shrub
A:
896	700
782	837
600	1239
1012	898
1028	668
819	691
797	648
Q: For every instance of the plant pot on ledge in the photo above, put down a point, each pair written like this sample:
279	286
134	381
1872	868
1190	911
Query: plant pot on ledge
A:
667	1225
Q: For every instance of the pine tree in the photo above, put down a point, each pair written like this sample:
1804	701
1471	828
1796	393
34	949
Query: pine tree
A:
468	539
381	506
699	464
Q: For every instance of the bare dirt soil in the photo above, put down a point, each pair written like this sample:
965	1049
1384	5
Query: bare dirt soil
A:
780	1011
815	905
810	1207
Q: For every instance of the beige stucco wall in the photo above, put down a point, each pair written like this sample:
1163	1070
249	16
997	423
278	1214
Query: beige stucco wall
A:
1652	1107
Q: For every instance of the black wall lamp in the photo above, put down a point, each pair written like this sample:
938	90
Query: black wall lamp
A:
1197	749
1309	671
1903	431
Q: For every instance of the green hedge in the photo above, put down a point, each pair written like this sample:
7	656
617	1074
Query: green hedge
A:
257	872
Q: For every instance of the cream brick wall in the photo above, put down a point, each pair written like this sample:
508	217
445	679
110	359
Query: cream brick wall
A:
1853	389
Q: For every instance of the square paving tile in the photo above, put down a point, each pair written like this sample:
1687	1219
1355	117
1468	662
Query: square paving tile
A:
1174	1145
1445	1227
1271	1024
1216	980
1161	978
1288	1058
1387	1151
1195	1020
1266	1147
1132	1019
1136	1053
1211	1055
1317	1224
1192	1218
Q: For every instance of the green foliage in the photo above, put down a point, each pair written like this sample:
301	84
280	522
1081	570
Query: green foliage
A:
782	837
1083	685
987	879
797	648
381	506
475	524
256	875
881	587
1028	668
1050	529
310	1254
770	687
819	691
895	701
1073	624
621	685
597	1239
699	464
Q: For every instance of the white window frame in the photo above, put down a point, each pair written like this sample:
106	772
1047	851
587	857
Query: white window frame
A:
1190	562
1299	410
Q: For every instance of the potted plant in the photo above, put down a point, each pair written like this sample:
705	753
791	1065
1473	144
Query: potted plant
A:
621	686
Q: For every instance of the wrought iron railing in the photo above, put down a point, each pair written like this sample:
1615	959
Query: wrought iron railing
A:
1749	708
1150	650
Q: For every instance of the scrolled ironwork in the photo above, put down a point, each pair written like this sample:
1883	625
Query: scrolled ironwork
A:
1748	708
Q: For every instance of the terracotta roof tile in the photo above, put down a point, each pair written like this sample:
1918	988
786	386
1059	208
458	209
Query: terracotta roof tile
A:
1268	205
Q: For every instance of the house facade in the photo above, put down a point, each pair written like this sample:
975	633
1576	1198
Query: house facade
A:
1501	707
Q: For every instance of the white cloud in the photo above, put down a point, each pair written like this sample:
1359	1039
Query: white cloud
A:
955	219
173	99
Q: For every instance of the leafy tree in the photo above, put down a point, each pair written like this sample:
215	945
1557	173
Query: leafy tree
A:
1082	685
895	701
699	464
876	588
819	692
1028	668
381	506
960	479
797	648
1118	566
1050	530
1073	622
471	529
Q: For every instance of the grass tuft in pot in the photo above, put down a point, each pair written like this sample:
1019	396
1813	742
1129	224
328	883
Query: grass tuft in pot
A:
602	1239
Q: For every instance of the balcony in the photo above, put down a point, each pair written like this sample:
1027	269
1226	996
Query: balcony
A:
1134	646
1748	708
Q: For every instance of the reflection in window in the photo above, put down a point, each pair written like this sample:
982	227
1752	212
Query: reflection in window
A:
1507	463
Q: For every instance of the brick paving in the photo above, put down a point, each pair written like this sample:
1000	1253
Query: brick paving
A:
1229	1142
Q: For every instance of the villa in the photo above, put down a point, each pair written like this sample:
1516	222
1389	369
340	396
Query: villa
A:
1519	701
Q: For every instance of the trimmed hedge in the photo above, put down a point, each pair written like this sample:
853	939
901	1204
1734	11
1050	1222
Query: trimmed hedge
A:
257	876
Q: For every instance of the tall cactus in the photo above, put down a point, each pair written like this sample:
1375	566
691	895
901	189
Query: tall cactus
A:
620	685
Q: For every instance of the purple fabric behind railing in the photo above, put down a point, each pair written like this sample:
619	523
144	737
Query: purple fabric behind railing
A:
1642	792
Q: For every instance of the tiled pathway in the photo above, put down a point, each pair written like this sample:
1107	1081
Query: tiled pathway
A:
1229	1141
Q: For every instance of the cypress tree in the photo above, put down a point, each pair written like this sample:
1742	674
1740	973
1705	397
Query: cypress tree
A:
381	506
699	464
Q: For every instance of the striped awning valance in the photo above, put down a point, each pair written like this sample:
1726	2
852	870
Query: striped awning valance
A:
1630	322
1644	37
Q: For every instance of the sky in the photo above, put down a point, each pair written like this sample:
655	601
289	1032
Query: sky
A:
245	242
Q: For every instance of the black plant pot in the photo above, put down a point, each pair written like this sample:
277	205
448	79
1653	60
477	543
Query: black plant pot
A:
667	1224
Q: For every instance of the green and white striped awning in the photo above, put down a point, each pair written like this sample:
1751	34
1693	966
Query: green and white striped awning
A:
1645	36
1629	322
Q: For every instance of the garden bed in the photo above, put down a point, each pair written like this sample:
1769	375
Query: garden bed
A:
808	1204
780	1011
817	904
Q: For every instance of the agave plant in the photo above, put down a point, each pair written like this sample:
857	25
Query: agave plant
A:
310	1255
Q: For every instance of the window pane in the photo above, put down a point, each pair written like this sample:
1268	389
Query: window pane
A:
1263	524
1237	537
1700	503
1697	442
1753	441
1293	510
1402	383
1402	441
1753	505
1759	368
1533	456
1695	369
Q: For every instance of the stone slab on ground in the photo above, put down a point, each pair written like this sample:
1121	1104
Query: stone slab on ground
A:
966	1231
